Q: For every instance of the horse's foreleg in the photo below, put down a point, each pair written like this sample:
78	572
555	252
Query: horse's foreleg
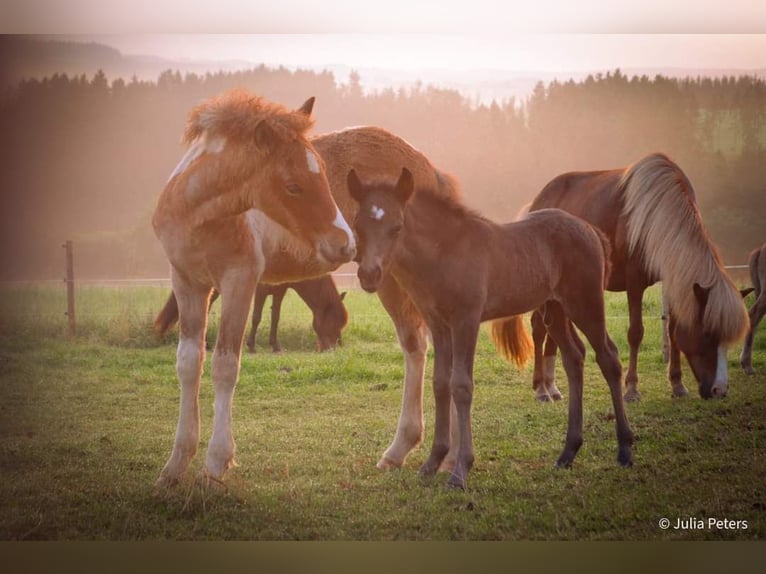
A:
442	342
236	291
756	313
259	300
190	356
538	375
635	336
412	334
674	361
464	336
276	309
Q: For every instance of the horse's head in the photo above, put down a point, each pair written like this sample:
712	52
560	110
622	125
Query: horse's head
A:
704	350
297	194
378	224
329	322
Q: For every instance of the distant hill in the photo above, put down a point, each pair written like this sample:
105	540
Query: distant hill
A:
28	57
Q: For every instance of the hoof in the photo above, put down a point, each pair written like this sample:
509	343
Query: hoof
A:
625	458
632	396
165	483
447	465
427	469
546	398
556	396
679	392
564	461
387	464
455	483
749	370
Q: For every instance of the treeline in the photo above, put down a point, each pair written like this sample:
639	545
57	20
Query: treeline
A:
85	158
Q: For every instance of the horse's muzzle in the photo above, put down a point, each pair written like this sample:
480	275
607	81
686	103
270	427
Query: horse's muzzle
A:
369	278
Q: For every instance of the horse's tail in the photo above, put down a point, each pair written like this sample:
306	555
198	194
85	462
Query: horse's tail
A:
607	250
512	340
753	263
167	317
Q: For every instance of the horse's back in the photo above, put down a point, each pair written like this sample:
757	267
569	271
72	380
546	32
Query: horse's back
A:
375	154
591	195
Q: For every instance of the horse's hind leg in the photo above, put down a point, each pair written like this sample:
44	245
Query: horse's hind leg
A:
237	289
412	334
573	360
635	336
192	307
544	377
757	311
593	326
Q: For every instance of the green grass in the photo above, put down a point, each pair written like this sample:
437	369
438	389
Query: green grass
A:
87	423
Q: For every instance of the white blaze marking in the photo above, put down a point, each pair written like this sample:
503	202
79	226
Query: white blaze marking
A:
311	159
340	222
721	375
377	212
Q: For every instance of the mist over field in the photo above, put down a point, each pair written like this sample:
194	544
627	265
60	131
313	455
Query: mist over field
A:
89	136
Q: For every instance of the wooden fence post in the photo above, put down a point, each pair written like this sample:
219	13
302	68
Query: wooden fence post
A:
70	286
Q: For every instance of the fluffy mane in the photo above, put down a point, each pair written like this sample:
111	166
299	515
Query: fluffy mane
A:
236	113
665	228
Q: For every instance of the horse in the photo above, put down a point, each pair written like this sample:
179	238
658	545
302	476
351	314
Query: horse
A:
374	153
321	295
757	266
461	269
249	176
649	213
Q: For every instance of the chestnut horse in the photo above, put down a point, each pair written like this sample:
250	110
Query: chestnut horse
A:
373	153
249	176
649	212
322	297
461	269
320	294
757	265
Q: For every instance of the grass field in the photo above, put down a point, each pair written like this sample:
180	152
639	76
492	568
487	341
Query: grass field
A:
87	423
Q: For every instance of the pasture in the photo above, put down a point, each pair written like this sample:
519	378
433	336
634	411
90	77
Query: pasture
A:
87	423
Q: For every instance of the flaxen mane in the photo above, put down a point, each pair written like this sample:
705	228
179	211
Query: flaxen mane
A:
664	225
236	114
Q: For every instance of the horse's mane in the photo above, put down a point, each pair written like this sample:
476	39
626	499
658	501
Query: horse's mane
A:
236	113
446	200
665	228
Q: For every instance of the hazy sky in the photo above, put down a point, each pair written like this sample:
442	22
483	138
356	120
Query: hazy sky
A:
538	52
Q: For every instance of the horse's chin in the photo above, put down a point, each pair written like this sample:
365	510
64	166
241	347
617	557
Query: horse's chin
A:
370	288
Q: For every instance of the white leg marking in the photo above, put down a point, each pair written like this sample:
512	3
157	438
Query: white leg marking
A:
220	451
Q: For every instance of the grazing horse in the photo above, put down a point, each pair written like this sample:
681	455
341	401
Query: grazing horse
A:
249	177
320	294
649	213
757	265
461	269
374	153
322	297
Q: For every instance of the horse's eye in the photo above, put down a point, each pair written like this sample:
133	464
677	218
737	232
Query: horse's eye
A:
294	189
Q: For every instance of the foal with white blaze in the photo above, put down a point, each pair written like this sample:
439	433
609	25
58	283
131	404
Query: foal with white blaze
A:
250	174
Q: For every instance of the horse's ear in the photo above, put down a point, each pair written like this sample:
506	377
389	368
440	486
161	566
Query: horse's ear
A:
264	135
405	186
342	295
355	187
701	294
307	107
746	292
